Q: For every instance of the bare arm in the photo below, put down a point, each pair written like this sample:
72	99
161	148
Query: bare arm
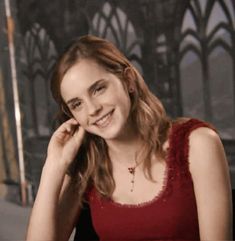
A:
210	173
69	209
51	218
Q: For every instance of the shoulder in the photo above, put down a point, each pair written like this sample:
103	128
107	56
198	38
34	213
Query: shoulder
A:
207	157
199	141
204	142
210	175
184	125
204	138
185	130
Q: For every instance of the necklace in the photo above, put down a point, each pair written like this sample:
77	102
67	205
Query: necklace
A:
132	172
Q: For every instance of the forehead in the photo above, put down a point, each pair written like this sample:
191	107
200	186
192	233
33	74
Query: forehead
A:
83	70
81	76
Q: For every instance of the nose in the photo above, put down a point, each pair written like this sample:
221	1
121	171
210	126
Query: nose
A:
93	107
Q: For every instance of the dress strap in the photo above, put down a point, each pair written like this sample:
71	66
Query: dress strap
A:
179	142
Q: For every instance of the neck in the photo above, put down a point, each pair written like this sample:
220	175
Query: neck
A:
122	153
124	149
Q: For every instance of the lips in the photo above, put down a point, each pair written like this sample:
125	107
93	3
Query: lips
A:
104	121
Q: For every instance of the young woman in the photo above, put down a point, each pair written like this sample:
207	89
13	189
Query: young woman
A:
144	176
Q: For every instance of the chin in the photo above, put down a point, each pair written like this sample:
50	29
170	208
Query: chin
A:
108	133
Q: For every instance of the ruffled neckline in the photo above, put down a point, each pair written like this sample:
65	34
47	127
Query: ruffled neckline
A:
167	178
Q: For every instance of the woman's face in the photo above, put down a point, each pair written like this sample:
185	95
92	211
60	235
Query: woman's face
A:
97	99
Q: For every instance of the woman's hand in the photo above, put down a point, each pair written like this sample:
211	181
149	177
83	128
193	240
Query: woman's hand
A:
62	149
65	142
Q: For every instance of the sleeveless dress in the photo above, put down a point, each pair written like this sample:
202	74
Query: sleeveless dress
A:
171	215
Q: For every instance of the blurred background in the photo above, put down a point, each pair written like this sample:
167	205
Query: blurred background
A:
185	50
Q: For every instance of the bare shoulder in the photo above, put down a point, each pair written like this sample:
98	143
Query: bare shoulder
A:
207	156
210	174
204	134
205	142
207	160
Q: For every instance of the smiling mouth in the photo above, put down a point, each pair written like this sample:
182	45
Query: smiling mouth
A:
105	120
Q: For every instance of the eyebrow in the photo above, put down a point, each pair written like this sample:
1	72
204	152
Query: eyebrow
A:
90	89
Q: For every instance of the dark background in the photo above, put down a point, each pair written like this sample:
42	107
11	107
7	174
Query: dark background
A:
185	49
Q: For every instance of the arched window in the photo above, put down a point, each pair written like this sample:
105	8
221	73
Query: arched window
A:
112	23
207	63
38	57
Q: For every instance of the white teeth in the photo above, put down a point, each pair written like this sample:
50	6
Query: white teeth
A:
103	121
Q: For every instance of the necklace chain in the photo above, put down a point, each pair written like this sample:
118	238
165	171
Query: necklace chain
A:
132	172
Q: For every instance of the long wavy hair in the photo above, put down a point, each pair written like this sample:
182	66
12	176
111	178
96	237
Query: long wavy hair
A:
92	165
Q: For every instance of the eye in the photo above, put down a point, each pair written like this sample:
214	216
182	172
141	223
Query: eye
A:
75	105
99	89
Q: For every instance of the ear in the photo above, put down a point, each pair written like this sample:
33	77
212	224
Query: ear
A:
130	76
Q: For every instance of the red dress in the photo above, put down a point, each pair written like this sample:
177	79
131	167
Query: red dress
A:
171	215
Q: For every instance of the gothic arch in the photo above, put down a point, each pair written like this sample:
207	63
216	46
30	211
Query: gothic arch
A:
38	58
207	38
111	22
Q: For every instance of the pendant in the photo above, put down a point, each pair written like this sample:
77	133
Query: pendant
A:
132	172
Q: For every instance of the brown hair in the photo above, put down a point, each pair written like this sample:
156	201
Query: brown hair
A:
147	112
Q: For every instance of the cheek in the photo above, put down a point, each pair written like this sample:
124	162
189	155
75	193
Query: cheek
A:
80	118
125	102
120	96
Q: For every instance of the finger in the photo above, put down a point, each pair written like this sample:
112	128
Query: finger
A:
79	135
71	121
68	126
